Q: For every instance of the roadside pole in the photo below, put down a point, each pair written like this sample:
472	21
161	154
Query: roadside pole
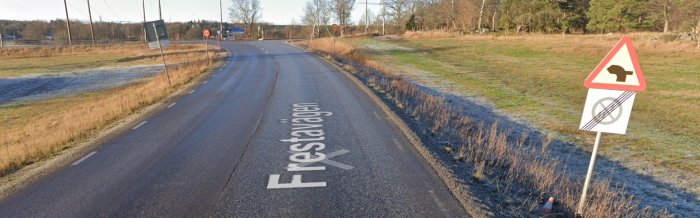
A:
65	5
162	56
335	30
582	201
218	44
383	18
206	33
143	6
92	30
2	43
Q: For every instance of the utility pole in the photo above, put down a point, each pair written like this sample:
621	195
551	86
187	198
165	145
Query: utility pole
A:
383	18
221	22
160	13
92	31
2	43
366	18
143	2
65	5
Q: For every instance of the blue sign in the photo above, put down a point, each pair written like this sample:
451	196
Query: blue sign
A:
236	30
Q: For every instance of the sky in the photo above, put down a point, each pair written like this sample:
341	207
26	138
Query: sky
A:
274	11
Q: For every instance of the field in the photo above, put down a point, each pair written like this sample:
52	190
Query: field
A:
35	130
502	168
38	61
538	80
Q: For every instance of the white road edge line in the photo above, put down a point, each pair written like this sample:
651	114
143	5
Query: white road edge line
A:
192	91
171	105
140	124
84	158
205	82
438	202
377	115
396	142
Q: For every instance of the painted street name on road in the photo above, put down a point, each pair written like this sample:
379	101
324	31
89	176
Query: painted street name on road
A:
307	143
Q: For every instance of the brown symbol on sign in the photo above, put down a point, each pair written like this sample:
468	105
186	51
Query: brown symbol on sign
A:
620	72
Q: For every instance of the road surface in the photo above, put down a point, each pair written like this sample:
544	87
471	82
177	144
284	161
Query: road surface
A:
277	132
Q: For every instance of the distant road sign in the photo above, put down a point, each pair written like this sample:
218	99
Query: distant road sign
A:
619	70
156	34
206	33
335	28
236	30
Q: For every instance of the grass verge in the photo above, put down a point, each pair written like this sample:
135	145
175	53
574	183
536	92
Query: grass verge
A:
37	130
539	78
493	151
37	61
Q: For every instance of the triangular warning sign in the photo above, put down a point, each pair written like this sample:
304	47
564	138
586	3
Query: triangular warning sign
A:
619	70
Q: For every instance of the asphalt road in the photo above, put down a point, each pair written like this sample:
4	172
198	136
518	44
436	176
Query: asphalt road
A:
250	142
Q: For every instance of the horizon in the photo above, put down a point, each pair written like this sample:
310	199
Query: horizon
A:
274	12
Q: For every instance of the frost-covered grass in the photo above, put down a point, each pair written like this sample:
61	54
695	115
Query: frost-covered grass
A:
540	78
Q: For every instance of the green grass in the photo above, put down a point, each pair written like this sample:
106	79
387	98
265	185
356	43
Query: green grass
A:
542	81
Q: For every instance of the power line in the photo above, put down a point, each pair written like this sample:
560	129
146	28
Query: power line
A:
112	10
76	8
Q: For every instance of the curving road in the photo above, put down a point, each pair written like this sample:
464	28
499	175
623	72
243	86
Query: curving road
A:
277	132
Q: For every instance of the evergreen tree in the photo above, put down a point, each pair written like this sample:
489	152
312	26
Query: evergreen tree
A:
617	15
411	23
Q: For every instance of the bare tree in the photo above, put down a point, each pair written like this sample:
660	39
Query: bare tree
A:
481	15
34	30
399	9
246	12
316	14
342	9
664	8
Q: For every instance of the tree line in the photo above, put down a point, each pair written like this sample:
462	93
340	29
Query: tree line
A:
517	16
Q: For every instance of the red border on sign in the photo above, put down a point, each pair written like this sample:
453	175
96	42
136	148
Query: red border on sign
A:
635	62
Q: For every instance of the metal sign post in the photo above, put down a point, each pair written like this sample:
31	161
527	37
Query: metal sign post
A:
206	34
159	39
582	201
162	56
218	45
335	31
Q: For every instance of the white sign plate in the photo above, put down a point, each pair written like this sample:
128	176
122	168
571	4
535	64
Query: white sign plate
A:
607	111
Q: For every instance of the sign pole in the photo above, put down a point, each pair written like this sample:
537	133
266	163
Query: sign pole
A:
162	56
582	201
218	45
206	46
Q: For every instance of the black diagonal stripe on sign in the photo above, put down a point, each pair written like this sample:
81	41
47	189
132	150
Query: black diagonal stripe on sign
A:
607	110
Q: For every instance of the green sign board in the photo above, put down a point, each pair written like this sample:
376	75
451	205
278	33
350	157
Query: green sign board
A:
156	34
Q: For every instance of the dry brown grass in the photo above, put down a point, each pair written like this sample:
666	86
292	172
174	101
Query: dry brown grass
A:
429	34
42	134
642	40
493	153
132	49
48	60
